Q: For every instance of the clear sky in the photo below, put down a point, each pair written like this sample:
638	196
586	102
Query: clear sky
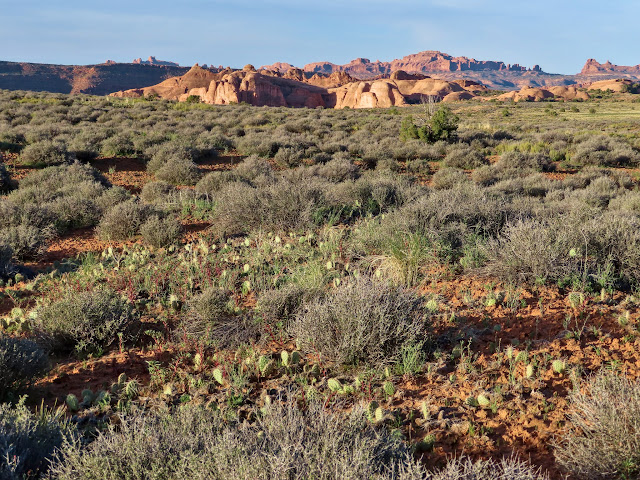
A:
559	35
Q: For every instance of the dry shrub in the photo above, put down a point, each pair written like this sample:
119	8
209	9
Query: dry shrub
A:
87	322
160	231
29	441
362	321
21	362
464	157
45	153
603	440
210	318
446	178
123	221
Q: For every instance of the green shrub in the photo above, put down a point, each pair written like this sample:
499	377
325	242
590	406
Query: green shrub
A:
87	322
442	125
45	153
603	442
29	442
21	362
361	322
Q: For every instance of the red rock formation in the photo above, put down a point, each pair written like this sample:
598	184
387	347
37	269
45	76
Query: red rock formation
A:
593	67
295	89
153	61
528	94
423	62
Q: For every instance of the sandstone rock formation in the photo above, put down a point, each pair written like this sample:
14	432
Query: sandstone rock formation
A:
530	94
618	85
153	61
297	89
593	67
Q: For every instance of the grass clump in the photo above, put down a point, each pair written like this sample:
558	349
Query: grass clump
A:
361	322
87	322
21	362
603	440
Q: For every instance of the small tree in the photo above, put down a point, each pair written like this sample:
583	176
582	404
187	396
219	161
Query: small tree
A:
441	125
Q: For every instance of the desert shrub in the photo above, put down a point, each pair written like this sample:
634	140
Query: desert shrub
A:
87	322
21	362
466	158
289	157
6	183
603	248
28	441
281	205
161	154
119	145
253	167
284	442
446	178
160	231
442	125
361	322
283	303
64	197
210	317
602	441
605	152
45	153
157	192
517	160
26	241
509	468
213	182
123	221
338	169
177	171
7	268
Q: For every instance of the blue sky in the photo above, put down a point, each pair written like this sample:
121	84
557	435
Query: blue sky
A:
559	35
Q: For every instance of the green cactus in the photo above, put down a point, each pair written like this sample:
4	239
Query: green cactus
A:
334	385
371	411
296	358
87	396
389	388
72	402
483	401
131	388
284	356
559	366
529	371
424	409
217	376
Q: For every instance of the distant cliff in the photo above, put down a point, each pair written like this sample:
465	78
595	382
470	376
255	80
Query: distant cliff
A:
91	79
593	67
